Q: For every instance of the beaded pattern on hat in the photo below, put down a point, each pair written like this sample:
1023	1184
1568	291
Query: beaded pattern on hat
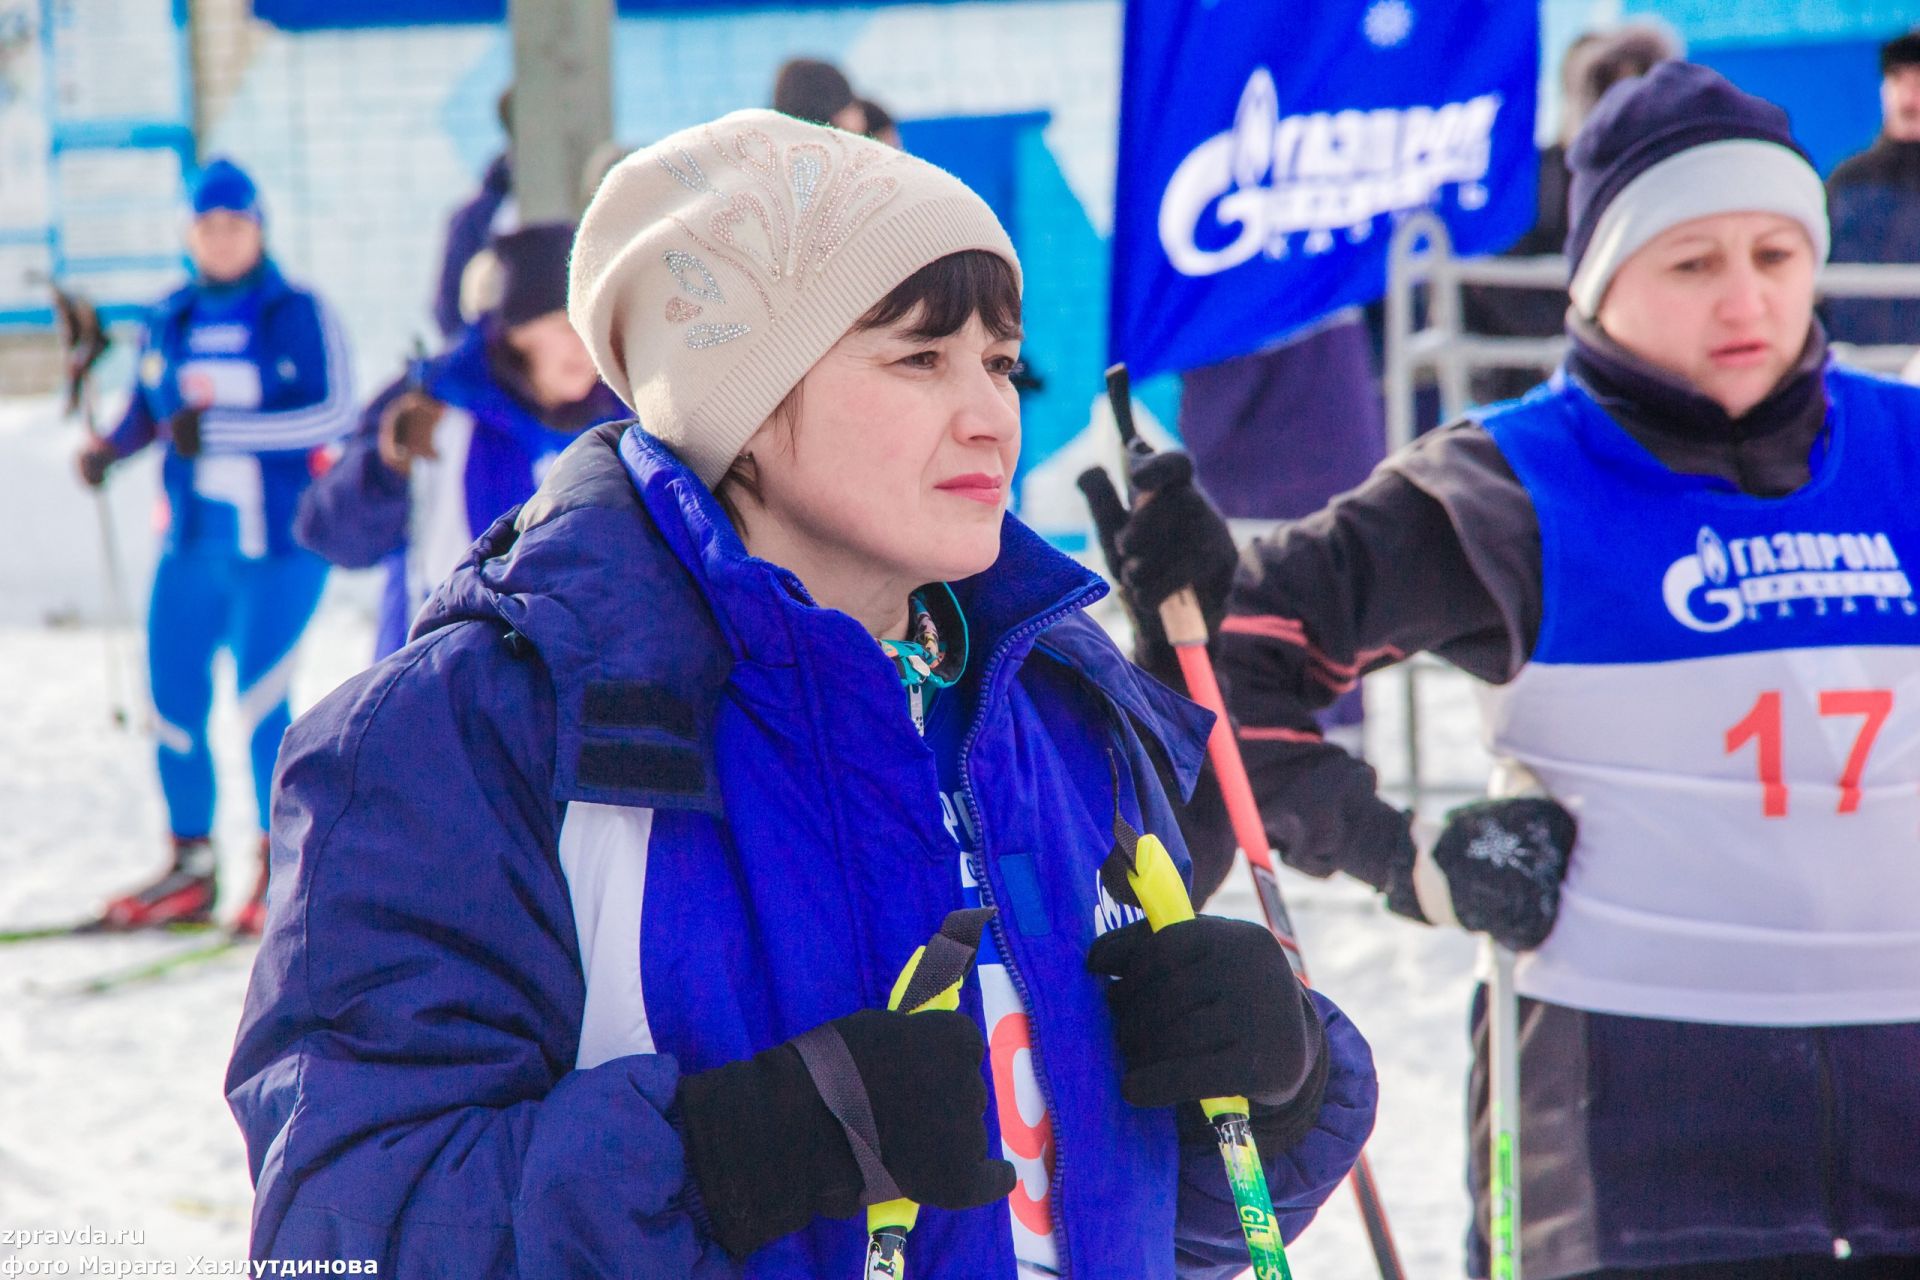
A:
749	229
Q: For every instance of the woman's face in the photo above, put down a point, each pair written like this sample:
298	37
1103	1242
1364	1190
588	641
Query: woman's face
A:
559	367
895	471
1723	302
224	245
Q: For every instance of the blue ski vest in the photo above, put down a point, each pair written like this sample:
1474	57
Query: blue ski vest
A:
1725	691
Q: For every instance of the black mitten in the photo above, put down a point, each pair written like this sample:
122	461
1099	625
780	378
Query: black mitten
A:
184	429
1210	1008
1172	538
94	461
1503	861
1176	538
768	1154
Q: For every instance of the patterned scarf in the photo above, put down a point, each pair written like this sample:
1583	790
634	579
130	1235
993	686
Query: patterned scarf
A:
935	652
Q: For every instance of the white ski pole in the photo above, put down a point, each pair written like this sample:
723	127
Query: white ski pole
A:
1510	778
116	613
1503	1113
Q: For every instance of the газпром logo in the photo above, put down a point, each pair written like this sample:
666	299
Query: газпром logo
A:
1317	174
1725	582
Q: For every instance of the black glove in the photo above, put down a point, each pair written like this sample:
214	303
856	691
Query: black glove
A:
1503	861
1173	538
1210	1008
184	428
94	461
768	1155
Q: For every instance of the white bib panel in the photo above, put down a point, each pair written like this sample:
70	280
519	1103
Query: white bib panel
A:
1735	876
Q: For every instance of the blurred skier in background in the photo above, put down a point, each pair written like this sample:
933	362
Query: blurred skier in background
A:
1875	198
241	377
814	90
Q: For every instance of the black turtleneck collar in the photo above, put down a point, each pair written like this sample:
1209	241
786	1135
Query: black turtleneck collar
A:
1767	452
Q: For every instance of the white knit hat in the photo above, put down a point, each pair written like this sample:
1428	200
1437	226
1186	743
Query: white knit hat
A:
714	268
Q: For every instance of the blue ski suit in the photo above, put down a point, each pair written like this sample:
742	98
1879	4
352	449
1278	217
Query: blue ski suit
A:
268	364
464	1035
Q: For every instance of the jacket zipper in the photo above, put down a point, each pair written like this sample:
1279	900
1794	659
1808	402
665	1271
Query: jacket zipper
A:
1829	1143
1056	1178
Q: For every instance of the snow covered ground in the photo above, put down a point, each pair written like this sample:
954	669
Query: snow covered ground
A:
111	1114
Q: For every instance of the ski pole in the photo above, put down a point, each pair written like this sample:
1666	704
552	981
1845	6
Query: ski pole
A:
930	980
1186	629
85	341
1157	886
116	620
1508	778
1503	1115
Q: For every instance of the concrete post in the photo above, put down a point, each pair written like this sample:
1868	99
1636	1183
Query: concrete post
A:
562	100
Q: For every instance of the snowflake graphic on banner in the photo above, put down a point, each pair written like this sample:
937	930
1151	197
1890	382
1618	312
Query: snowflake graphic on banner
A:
1388	23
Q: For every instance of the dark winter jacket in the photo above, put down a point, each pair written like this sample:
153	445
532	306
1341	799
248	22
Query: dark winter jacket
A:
498	442
468	231
459	1058
1644	1142
1873	203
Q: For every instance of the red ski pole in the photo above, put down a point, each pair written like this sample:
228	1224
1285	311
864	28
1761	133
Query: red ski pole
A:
1186	628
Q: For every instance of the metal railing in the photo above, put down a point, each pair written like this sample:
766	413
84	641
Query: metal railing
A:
1421	255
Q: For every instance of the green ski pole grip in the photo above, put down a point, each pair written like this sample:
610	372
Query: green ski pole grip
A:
1162	894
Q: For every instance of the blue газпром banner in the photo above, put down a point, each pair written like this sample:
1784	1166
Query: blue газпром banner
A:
1266	147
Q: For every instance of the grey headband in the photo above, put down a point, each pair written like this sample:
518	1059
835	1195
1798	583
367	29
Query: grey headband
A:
1741	175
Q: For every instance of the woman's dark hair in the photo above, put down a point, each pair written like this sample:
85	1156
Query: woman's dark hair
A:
937	301
942	296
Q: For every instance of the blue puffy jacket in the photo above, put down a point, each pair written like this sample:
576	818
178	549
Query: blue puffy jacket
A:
464	1034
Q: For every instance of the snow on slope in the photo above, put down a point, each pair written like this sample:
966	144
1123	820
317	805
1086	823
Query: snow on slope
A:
112	1106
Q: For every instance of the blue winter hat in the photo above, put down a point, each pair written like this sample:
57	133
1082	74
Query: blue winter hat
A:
225	185
1679	143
